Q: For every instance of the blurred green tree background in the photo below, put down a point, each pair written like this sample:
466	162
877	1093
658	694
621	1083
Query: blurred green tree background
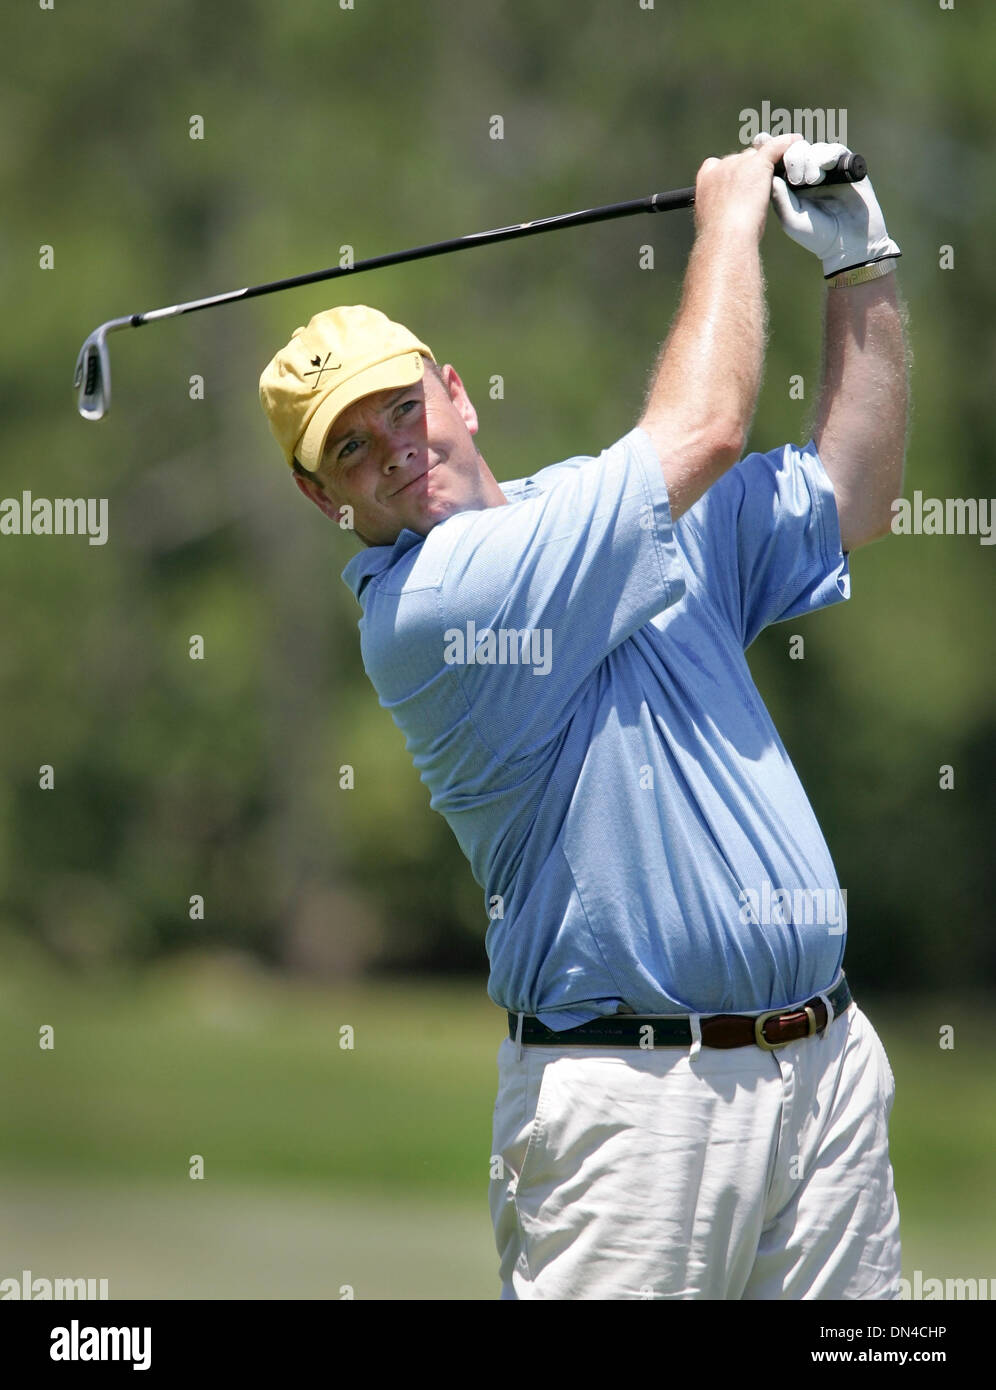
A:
369	128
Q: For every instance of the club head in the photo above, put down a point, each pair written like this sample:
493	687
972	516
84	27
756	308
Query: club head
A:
93	369
93	375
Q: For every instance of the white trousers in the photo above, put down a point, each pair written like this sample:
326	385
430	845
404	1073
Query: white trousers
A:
730	1174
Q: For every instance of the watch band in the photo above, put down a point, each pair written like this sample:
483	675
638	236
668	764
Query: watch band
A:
862	273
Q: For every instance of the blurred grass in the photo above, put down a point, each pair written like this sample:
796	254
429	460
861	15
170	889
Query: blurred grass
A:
326	1166
247	1070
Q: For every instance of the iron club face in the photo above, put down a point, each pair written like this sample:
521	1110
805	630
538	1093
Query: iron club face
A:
93	376
93	371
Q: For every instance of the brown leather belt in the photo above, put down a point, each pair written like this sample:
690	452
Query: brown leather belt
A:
768	1030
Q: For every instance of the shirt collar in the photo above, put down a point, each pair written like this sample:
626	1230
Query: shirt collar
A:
375	560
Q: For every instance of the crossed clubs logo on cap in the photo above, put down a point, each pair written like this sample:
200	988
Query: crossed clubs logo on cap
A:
323	367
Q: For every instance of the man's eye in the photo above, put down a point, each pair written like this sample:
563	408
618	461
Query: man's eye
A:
405	404
344	451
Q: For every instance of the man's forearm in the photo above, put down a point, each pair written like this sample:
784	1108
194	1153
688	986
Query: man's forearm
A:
707	379
862	415
704	391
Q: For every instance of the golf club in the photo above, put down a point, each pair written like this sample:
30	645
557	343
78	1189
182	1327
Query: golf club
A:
93	365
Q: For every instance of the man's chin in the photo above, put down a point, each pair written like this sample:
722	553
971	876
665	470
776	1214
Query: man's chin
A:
431	514
423	520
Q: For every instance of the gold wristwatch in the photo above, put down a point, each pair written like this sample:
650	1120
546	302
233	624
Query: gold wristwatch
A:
862	273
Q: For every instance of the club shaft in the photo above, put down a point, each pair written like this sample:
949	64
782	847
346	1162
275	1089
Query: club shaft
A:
655	202
850	168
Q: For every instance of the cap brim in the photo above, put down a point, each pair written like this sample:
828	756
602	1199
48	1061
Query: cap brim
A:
403	370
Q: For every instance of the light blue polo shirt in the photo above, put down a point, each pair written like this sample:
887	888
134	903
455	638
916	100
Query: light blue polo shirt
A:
569	674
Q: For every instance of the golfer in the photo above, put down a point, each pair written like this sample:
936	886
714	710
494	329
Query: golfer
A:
690	1103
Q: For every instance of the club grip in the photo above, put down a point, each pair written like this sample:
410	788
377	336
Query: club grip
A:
850	168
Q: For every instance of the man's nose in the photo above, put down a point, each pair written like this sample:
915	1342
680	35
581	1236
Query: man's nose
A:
399	450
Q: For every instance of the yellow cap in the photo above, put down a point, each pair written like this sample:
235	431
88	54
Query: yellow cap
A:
343	354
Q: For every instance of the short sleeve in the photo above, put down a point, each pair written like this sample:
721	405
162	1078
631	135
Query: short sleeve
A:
535	595
767	537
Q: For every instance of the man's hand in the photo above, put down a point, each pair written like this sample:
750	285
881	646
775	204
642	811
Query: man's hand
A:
842	224
736	191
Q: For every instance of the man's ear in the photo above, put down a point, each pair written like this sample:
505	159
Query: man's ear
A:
458	395
312	490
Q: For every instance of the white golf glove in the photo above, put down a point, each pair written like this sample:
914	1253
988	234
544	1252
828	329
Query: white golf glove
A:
843	223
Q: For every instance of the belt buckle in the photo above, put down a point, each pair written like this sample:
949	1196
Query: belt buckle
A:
762	1019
